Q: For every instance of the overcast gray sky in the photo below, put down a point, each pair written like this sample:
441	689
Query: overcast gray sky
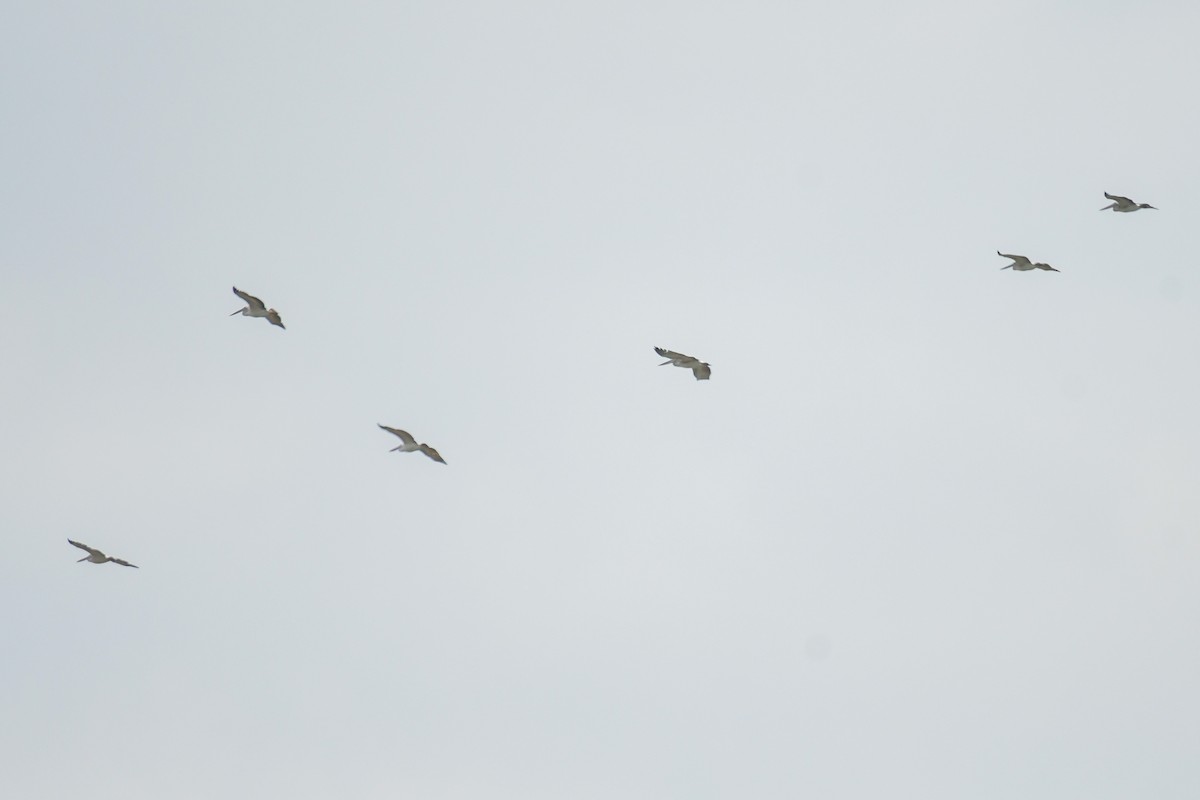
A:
929	532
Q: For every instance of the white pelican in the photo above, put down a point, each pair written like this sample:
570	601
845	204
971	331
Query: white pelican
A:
410	444
1124	205
701	370
257	308
1023	264
96	557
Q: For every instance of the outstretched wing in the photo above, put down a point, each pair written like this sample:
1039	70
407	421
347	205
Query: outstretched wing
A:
273	318
1121	201
671	354
1018	259
434	454
91	550
124	563
702	372
251	300
405	436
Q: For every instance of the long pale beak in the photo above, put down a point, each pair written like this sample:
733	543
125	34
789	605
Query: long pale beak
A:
85	558
1010	266
664	363
240	310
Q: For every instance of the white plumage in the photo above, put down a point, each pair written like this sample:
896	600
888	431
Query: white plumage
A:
1124	205
97	557
410	444
1023	264
700	369
257	308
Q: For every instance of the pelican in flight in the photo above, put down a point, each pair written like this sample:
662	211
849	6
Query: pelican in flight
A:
257	308
700	369
1124	205
410	444
1023	264
96	557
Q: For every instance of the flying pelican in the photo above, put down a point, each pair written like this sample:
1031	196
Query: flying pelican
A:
410	444
257	308
1124	205
701	370
96	557
1023	264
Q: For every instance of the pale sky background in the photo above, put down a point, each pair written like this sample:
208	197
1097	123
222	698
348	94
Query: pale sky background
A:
929	532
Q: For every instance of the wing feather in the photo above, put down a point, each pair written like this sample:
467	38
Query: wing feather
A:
405	436
91	550
1018	259
434	454
251	300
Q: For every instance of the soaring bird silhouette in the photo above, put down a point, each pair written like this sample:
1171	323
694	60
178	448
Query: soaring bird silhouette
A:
1124	205
410	444
1023	264
700	369
257	308
97	557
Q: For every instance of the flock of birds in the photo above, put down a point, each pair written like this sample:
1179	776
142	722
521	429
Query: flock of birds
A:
1120	205
700	369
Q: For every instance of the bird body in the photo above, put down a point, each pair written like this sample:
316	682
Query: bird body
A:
700	369
1023	264
409	444
1123	205
257	308
97	557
